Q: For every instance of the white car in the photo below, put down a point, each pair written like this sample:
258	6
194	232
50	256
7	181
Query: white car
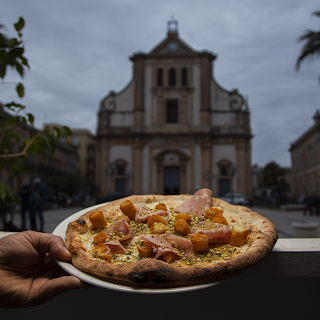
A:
235	198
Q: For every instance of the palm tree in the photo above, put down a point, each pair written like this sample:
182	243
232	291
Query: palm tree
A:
312	45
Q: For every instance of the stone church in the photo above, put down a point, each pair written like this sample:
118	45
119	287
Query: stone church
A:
173	129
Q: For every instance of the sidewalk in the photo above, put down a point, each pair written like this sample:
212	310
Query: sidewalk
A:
282	219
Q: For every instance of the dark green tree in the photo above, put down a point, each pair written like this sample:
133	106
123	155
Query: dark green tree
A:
18	137
274	179
311	47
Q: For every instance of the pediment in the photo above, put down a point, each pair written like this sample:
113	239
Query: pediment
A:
172	45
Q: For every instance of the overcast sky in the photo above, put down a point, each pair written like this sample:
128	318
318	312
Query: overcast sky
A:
78	51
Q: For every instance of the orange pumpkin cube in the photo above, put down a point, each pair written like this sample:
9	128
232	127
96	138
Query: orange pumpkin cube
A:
181	227
145	249
168	257
158	228
161	206
128	209
155	218
238	236
98	220
219	218
101	237
200	242
100	251
124	216
212	211
184	216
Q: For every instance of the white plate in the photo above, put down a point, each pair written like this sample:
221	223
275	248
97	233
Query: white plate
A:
60	230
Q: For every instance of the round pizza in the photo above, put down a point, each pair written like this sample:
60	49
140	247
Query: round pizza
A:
169	241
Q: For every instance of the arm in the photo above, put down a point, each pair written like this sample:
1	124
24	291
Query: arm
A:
28	273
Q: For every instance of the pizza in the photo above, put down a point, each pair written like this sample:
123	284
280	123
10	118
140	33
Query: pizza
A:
169	240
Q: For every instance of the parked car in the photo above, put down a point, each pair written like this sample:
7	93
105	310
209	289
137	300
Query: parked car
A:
235	198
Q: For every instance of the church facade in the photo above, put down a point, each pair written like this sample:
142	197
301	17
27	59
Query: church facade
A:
173	129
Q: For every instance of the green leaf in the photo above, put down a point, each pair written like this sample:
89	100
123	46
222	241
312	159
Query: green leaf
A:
11	105
24	61
3	69
20	89
56	132
19	25
66	132
30	118
19	69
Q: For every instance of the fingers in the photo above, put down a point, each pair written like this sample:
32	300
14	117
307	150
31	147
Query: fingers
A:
60	285
48	243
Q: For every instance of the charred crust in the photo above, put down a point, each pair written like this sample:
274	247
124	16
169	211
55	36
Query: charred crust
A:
157	276
138	277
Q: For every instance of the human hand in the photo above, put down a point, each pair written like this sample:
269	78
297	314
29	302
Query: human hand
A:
29	275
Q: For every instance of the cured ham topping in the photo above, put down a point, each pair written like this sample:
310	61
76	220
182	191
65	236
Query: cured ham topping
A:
216	233
115	246
168	243
144	213
121	229
197	204
179	243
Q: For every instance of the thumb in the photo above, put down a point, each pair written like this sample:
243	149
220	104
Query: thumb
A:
44	243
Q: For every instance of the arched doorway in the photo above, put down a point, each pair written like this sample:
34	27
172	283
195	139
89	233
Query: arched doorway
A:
171	171
171	180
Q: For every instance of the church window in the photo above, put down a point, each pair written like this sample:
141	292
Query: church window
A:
184	77
172	77
160	77
172	111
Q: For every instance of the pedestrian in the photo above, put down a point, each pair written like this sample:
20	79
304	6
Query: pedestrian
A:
37	198
24	198
308	205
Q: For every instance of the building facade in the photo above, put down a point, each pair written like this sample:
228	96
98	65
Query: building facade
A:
173	129
305	161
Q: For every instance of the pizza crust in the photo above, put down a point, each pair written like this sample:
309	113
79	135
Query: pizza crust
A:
153	273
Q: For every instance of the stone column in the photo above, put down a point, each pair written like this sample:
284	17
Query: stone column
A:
102	172
137	166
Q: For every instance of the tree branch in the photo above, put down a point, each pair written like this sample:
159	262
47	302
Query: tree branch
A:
24	151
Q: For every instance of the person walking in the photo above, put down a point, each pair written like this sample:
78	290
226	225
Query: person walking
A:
38	197
25	204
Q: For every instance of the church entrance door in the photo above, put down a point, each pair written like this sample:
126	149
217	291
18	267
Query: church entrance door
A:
224	187
171	180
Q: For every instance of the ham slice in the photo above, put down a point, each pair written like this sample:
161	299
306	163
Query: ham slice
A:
115	246
168	243
143	214
120	226
216	232
179	243
197	204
